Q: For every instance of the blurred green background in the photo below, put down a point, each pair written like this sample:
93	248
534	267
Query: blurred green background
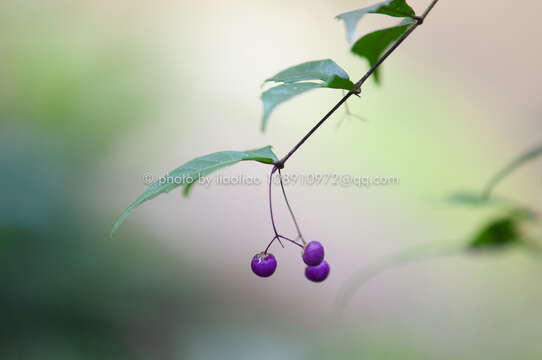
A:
93	95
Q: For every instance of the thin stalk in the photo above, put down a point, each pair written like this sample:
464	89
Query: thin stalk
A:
270	243
290	209
271	212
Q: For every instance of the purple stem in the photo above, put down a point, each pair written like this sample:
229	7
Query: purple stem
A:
271	212
268	245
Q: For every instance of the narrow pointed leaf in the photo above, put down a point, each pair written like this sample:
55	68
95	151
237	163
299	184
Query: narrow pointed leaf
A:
373	45
301	78
191	171
396	8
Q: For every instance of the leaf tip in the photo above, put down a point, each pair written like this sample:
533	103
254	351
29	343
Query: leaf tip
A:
186	189
114	229
265	117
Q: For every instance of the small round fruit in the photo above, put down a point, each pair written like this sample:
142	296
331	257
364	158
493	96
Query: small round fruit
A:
317	273
313	253
263	265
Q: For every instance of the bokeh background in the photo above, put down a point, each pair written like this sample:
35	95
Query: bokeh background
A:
94	94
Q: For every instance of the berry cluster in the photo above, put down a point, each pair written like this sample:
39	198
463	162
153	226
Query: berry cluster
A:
264	264
313	255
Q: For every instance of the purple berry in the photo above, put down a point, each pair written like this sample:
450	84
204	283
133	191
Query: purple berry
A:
263	265
313	254
317	273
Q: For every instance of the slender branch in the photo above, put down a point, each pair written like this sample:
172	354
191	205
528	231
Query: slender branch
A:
357	87
290	209
429	8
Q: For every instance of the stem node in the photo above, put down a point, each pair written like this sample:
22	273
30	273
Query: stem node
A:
419	19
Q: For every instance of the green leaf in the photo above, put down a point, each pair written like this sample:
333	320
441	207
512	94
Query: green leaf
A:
474	199
467	198
302	78
191	171
186	189
396	8
277	95
373	45
497	234
503	231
